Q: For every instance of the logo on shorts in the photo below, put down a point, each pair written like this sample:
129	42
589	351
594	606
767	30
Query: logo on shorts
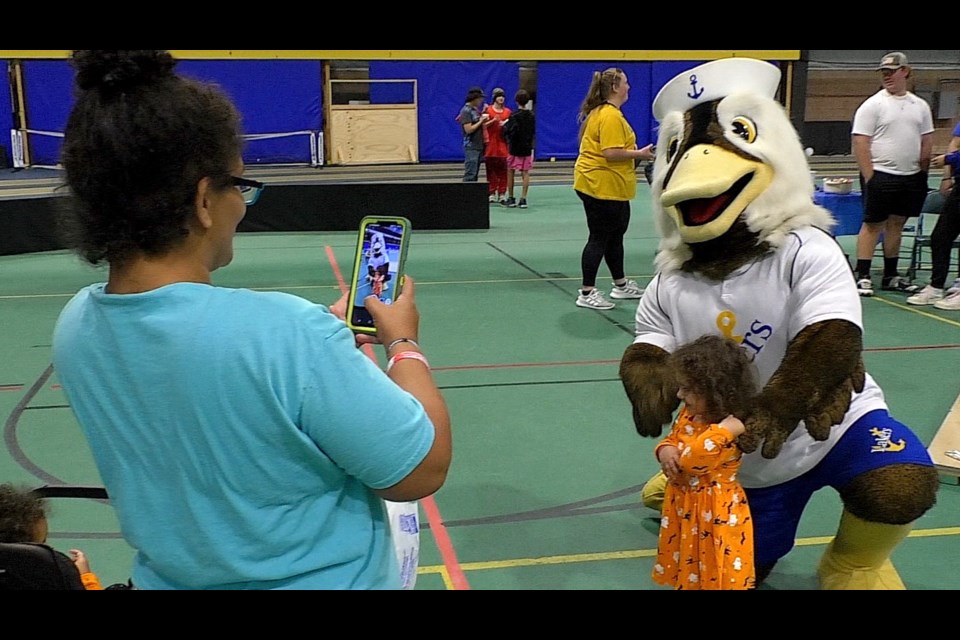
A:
884	444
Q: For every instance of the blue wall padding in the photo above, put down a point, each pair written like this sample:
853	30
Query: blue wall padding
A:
280	96
6	117
441	89
561	88
48	97
274	96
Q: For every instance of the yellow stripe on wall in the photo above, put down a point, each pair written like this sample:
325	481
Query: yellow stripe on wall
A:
443	54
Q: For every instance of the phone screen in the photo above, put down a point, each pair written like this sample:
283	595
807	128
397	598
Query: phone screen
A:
378	269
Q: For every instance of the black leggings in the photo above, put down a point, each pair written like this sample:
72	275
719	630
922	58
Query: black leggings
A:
607	221
944	233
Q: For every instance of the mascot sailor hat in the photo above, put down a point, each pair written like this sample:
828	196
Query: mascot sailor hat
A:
716	79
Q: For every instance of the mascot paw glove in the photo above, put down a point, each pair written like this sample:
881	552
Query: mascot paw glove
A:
650	386
763	426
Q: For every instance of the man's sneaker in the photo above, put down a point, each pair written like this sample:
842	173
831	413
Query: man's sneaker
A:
955	287
503	202
950	303
629	291
898	283
865	287
594	300
509	202
492	198
523	203
927	295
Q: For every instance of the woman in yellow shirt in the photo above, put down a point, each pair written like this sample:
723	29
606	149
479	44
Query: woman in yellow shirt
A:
605	179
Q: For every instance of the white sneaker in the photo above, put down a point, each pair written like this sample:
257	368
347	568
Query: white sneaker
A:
492	198
955	287
629	291
865	287
950	303
927	295
594	300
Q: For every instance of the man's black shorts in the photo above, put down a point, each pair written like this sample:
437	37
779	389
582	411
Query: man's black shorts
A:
891	195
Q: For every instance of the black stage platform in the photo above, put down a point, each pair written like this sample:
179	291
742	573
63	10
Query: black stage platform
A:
326	198
294	200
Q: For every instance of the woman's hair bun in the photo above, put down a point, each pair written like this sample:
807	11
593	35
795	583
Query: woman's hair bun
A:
120	69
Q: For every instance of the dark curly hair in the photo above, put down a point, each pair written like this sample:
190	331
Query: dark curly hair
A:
138	140
720	371
20	511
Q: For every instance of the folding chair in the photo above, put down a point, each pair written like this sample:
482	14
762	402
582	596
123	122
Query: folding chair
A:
31	566
920	255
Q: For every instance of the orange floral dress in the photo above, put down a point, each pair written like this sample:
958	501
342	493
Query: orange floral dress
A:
706	530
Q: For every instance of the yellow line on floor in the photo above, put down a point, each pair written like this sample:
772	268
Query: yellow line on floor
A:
632	555
918	310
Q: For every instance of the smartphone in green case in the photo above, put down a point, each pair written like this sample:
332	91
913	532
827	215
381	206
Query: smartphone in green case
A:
377	267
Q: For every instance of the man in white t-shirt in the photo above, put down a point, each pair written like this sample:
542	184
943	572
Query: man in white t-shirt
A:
892	141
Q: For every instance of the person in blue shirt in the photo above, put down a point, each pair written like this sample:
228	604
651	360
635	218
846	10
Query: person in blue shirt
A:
223	421
473	121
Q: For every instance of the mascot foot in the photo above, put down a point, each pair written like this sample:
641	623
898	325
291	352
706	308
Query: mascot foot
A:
652	493
858	558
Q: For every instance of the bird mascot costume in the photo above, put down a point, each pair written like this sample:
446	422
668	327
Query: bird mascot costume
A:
745	252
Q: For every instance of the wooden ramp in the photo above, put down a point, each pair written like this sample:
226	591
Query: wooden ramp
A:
945	447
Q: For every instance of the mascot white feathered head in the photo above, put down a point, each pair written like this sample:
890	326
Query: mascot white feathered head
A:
377	243
728	161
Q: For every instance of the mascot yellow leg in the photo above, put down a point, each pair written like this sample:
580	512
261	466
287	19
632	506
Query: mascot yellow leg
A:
858	558
652	493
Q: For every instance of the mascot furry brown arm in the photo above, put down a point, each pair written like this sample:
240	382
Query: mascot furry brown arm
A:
745	252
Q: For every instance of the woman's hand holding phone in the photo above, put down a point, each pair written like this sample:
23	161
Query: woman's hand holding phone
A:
398	320
339	309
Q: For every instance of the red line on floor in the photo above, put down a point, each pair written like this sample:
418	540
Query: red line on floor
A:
439	531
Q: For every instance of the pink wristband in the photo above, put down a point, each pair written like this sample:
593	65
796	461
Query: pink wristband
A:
406	355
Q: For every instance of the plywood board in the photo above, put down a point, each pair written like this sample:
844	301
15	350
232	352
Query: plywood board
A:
374	134
945	448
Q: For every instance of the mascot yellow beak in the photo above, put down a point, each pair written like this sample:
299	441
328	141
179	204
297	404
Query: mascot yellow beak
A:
709	188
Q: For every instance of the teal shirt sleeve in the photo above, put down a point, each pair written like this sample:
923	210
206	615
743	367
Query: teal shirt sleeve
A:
370	427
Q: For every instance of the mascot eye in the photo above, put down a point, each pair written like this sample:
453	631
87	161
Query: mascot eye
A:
744	128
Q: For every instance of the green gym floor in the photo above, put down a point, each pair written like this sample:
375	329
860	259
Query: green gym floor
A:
543	490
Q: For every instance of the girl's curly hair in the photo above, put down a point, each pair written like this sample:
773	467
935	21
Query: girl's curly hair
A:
20	511
720	371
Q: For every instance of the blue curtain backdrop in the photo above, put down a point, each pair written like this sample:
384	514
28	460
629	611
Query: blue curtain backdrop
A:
48	97
562	86
6	118
283	96
442	87
274	96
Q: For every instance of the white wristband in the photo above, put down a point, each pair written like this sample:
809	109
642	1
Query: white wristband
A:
407	355
401	340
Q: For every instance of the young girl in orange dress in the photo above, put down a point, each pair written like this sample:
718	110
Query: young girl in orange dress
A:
706	531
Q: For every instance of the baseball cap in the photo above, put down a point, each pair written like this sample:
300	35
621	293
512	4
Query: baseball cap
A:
499	92
893	60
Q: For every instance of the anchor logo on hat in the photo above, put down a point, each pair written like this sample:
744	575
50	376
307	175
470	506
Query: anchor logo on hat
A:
693	86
